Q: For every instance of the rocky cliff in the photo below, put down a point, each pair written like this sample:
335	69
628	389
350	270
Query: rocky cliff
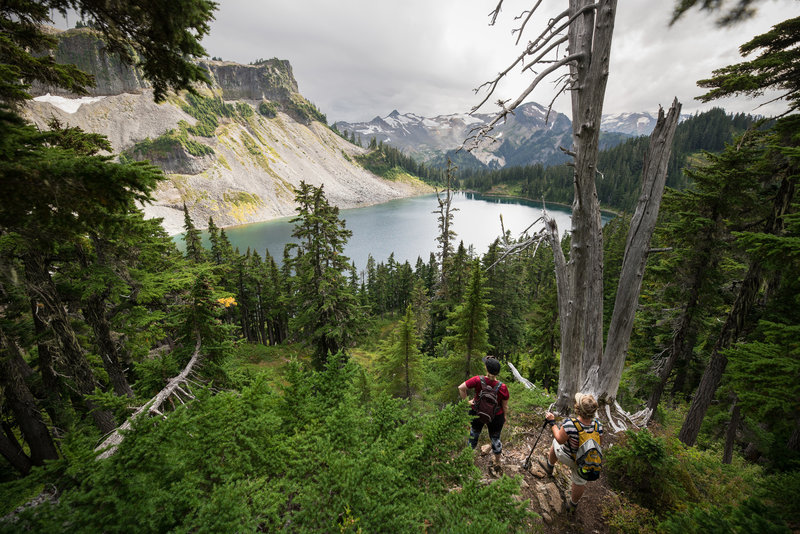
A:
234	151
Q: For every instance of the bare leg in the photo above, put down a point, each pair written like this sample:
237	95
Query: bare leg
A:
577	492
552	456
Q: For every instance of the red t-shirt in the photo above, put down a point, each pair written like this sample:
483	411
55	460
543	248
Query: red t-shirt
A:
475	383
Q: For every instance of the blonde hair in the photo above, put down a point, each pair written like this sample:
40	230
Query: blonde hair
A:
585	405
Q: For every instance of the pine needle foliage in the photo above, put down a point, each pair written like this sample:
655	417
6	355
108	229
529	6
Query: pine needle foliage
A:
314	457
400	360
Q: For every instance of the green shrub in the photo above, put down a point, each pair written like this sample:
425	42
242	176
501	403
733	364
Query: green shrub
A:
749	516
527	400
320	456
169	143
641	466
268	109
206	110
625	517
243	110
304	110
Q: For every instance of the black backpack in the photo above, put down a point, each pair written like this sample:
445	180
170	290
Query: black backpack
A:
488	402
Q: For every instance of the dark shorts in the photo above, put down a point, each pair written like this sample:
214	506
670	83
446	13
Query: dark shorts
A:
494	427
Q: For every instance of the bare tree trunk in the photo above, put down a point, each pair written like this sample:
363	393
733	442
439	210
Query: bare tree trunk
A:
109	446
12	451
23	404
793	444
52	386
590	27
569	374
734	322
679	344
44	298
582	325
94	310
654	177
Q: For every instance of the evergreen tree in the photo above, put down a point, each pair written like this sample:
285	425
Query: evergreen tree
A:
191	236
400	359
469	325
325	310
162	42
775	68
503	283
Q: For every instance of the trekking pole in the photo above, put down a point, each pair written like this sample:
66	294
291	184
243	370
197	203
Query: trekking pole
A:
527	464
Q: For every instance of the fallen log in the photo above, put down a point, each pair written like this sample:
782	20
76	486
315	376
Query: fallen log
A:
109	446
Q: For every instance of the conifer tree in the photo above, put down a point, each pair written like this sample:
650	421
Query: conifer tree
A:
469	324
58	189
420	303
191	236
503	283
325	309
399	362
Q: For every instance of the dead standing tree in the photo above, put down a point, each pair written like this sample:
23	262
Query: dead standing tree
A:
586	28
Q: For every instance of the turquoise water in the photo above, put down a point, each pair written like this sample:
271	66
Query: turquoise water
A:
407	227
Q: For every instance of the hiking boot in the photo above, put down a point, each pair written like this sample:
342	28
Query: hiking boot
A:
496	468
570	507
544	464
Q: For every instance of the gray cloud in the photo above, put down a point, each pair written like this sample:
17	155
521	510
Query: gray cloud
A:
359	58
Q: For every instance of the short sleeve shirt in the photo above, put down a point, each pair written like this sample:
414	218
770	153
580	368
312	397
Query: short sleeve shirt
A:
569	427
475	383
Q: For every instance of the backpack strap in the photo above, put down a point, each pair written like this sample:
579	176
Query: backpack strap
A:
483	382
577	424
580	427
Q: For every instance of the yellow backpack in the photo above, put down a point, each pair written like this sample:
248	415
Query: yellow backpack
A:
589	457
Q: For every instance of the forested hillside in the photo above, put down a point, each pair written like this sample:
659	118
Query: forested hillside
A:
620	167
145	389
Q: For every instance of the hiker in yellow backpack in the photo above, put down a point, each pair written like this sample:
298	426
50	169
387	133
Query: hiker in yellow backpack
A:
583	433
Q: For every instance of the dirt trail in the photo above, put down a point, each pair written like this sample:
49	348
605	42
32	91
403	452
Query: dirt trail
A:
545	495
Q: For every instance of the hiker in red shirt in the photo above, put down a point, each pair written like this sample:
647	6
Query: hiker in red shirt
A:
495	425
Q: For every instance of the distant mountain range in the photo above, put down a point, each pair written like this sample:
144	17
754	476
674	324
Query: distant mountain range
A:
528	136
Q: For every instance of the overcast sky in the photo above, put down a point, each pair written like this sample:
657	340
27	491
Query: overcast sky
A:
356	59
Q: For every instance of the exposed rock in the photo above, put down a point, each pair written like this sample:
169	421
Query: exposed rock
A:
270	80
549	497
555	500
179	161
124	118
486	449
248	170
84	48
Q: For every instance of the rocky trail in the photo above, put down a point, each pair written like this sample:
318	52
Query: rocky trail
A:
546	495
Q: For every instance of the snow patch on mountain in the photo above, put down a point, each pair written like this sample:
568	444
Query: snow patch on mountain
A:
69	105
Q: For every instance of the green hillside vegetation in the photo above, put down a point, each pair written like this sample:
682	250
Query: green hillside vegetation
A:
169	143
389	162
618	186
293	418
144	389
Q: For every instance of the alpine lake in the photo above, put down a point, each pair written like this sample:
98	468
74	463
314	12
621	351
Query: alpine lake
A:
408	227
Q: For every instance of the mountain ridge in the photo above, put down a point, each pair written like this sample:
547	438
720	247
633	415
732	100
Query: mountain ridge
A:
235	151
532	134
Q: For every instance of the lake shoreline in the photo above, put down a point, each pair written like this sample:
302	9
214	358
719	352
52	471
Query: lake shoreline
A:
517	197
406	227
